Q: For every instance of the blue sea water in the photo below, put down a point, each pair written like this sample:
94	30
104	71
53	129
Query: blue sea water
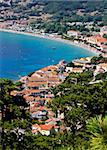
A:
22	54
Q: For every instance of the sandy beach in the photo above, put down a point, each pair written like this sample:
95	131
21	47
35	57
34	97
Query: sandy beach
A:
84	46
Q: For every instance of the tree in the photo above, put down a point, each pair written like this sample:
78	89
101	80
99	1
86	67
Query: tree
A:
15	118
97	59
101	76
79	102
105	36
70	64
97	127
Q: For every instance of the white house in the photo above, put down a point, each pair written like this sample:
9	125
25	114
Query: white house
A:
68	69
75	70
73	33
46	129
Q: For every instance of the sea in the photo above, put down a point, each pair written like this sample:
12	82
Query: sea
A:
23	54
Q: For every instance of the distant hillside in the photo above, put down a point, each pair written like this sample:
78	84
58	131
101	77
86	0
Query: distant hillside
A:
54	16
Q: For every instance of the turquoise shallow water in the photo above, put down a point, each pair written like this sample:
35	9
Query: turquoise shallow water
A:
21	54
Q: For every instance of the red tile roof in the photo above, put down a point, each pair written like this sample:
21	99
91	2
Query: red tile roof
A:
35	91
35	84
99	38
52	119
29	98
53	79
49	68
37	79
46	127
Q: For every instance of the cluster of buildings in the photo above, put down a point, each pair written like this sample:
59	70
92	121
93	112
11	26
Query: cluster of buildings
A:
15	25
37	91
99	42
96	42
38	94
37	88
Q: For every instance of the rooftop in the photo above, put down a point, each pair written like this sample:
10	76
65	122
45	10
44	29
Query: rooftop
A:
99	38
46	127
103	65
33	84
37	79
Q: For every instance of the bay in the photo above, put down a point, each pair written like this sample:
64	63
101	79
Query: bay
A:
23	54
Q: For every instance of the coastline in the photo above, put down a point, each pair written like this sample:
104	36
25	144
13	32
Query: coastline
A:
84	46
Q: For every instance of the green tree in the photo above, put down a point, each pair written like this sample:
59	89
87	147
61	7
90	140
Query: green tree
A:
105	36
15	118
101	76
79	102
97	127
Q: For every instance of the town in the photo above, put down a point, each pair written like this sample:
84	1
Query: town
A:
37	91
62	106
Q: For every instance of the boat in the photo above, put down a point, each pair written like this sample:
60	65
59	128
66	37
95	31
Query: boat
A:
53	48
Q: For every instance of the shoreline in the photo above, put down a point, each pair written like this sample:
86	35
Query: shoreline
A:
84	46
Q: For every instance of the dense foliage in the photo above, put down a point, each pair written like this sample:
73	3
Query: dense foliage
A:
15	118
61	14
96	60
64	12
97	128
80	102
